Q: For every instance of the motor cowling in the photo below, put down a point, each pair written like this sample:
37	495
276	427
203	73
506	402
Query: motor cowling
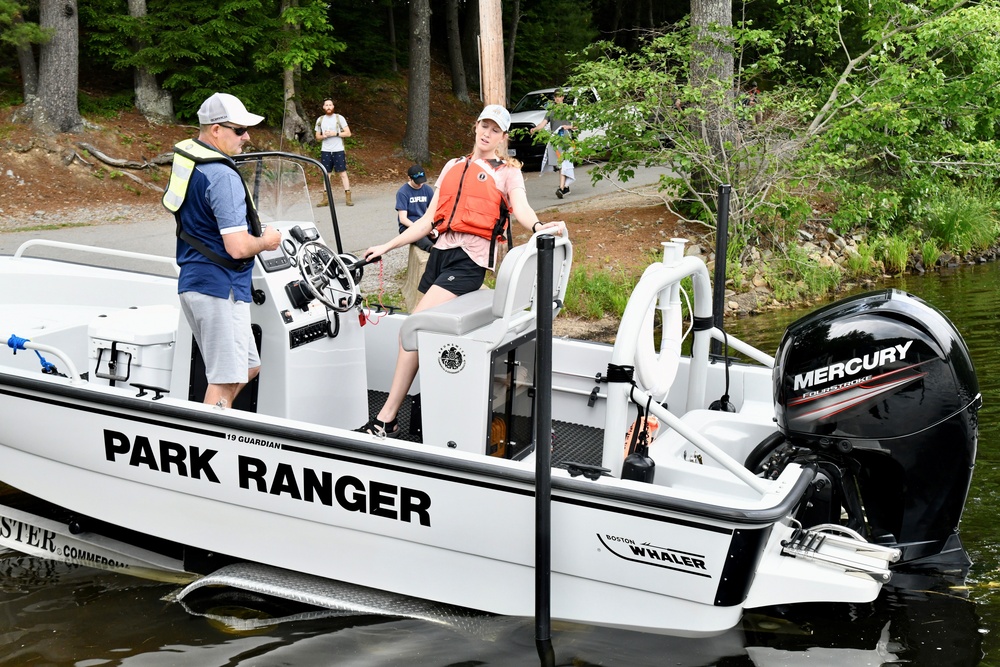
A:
882	385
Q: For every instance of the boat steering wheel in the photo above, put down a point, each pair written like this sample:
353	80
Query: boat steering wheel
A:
327	276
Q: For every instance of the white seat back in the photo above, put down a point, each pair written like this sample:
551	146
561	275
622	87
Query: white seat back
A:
512	307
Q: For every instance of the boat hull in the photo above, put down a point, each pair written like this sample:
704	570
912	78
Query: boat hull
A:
405	519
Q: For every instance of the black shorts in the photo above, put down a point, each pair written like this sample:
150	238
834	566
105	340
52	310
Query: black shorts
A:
452	270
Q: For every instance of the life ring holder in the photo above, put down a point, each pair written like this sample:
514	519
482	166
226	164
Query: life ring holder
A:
656	370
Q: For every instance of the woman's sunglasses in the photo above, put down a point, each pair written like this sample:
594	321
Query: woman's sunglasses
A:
238	131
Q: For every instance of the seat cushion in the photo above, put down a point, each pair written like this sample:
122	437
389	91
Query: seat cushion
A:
458	316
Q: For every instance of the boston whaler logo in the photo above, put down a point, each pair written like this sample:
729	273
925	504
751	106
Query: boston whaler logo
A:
452	358
658	556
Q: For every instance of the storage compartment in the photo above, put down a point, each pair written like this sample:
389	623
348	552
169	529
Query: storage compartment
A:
133	346
512	399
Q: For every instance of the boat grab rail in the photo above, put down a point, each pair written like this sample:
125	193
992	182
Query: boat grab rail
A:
108	252
17	343
750	351
705	445
656	278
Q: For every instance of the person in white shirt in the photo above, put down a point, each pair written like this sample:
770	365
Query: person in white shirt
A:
331	128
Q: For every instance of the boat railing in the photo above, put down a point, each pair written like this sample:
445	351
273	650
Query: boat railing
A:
656	281
95	250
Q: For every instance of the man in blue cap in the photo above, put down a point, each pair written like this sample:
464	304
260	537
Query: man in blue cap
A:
411	203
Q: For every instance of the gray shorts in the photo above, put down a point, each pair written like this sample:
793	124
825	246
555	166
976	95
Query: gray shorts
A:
221	327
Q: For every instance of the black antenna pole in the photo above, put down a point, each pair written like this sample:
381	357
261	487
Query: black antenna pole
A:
721	250
546	244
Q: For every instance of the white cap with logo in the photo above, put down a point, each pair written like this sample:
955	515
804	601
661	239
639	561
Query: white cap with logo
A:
497	114
226	108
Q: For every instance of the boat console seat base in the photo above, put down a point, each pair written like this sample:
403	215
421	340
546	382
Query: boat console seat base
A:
457	340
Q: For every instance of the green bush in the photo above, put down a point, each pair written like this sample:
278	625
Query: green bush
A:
930	253
895	253
963	220
592	294
795	276
105	106
863	262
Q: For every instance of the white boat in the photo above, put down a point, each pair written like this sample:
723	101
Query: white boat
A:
848	457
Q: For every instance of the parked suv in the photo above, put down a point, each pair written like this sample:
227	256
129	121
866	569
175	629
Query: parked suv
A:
529	112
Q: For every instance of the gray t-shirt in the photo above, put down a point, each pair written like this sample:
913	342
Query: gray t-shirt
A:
332	123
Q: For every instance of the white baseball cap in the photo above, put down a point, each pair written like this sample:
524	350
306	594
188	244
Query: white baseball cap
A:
226	108
497	114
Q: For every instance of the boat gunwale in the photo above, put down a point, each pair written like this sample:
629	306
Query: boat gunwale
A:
443	462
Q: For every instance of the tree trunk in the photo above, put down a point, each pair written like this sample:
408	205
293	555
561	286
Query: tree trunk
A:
470	46
509	64
29	69
416	141
293	126
391	21
459	85
491	47
152	101
58	69
712	69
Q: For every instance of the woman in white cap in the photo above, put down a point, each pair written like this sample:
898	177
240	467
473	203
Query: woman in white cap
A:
466	215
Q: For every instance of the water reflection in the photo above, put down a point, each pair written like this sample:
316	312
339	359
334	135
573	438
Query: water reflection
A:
56	614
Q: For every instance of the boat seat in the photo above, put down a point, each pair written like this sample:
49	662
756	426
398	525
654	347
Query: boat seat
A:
490	315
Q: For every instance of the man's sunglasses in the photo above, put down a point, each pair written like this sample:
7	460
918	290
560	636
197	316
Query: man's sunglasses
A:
238	131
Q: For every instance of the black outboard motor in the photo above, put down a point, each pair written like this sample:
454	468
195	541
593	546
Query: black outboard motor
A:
879	393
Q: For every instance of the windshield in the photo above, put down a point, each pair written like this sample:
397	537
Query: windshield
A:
542	101
279	189
533	102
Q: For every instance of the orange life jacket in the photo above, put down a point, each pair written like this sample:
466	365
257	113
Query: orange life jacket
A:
469	201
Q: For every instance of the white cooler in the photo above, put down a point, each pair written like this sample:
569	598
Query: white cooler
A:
133	346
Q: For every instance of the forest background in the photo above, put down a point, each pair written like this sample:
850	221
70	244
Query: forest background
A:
873	122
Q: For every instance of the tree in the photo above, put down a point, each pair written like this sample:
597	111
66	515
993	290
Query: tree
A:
711	72
459	84
56	107
550	38
515	19
304	39
906	109
416	140
152	101
470	46
22	34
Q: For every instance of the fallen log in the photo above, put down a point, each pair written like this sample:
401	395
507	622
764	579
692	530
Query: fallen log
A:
114	162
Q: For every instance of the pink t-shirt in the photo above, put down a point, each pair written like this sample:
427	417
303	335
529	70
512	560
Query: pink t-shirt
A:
477	248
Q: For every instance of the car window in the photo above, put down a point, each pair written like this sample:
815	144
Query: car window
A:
532	102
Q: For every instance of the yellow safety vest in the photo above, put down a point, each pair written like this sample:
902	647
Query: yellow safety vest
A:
187	154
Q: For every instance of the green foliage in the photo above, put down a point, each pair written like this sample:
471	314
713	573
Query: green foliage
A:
863	262
15	30
884	105
593	293
363	28
862	205
930	253
895	252
963	220
105	106
550	36
794	276
235	46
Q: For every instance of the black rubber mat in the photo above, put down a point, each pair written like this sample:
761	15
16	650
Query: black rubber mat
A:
570	442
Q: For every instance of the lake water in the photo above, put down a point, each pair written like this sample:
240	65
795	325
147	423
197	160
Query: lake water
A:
54	614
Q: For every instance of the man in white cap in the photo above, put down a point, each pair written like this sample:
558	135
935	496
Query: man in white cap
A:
218	237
